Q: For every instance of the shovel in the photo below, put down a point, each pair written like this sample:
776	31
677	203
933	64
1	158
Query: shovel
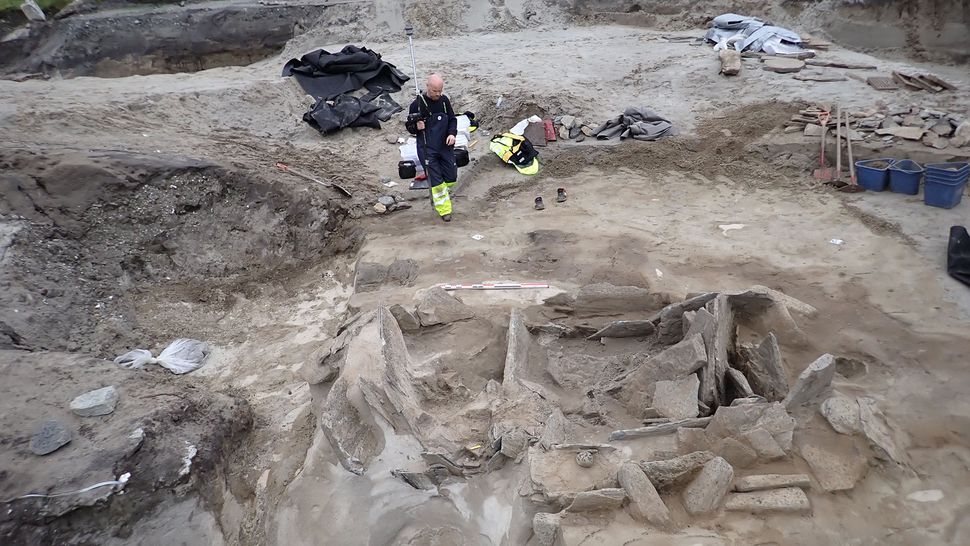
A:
287	169
853	186
823	172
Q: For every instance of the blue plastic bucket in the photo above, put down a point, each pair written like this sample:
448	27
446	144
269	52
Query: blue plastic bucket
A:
949	172
873	174
943	194
904	177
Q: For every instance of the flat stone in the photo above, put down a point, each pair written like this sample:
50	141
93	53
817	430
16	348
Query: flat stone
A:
547	528
842	413
765	369
49	437
645	503
912	121
369	276
676	362
725	333
961	136
405	319
402	272
568	121
677	399
814	382
878	432
554	431
812	130
942	128
934	140
517	349
690	440
579	371
668	473
707	490
624	328
730	61
908	133
760	482
759	299
736	453
764	444
97	402
837	465
587	130
598	499
788	500
613	299
436	306
783	65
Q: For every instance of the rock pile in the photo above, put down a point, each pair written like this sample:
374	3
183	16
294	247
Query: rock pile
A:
934	128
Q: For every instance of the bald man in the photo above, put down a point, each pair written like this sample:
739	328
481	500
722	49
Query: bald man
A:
435	133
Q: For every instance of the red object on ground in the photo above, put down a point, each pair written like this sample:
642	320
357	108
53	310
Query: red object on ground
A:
421	176
550	130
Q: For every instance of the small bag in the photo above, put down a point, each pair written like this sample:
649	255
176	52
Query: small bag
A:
461	157
407	169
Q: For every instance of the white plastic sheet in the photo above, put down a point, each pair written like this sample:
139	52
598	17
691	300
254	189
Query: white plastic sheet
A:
181	356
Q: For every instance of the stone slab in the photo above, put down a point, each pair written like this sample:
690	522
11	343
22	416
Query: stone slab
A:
598	499
707	490
670	472
788	500
624	328
842	413
814	382
677	399
783	65
760	482
765	369
49	436
436	306
645	503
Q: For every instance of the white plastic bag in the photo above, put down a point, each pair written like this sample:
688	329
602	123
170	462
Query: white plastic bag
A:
181	356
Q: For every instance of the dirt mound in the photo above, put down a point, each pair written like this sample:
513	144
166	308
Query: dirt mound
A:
87	229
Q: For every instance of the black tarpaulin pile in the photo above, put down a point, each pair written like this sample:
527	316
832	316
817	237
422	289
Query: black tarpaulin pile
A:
958	255
635	123
331	78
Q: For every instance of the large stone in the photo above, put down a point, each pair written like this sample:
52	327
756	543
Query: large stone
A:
705	493
554	431
405	319
934	140
49	437
765	370
735	421
730	61
789	500
645	502
736	453
32	11
580	371
598	499
97	402
624	328
942	128
961	136
436	306
909	133
690	440
519	340
842	413
658	429
568	121
547	529
369	276
764	444
677	399
759	482
668	473
836	463
737	385
814	382
674	363
515	443
878	432
402	272
670	320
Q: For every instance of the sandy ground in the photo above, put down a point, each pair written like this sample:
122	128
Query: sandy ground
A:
643	214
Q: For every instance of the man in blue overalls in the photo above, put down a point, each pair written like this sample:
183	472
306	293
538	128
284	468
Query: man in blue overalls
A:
435	125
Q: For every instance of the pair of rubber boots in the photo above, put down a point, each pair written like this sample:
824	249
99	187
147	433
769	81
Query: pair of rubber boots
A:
560	198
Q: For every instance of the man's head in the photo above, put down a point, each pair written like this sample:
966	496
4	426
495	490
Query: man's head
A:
435	87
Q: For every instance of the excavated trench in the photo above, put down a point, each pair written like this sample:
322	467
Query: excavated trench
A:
157	40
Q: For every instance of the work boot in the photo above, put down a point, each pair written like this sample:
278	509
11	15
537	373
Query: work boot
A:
446	217
561	195
539	205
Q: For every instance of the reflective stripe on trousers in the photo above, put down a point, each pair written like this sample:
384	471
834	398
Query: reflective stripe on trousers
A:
440	198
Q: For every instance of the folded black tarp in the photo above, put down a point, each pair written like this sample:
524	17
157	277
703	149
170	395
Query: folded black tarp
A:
958	255
326	75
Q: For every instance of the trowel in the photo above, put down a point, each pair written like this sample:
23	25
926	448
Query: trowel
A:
287	169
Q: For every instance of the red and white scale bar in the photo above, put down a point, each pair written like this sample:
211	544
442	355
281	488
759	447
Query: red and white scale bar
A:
496	286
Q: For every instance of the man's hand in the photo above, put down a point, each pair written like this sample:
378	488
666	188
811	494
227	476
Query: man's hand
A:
450	141
420	126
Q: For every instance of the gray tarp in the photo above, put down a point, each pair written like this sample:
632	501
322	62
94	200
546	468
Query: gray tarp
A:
635	123
750	34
